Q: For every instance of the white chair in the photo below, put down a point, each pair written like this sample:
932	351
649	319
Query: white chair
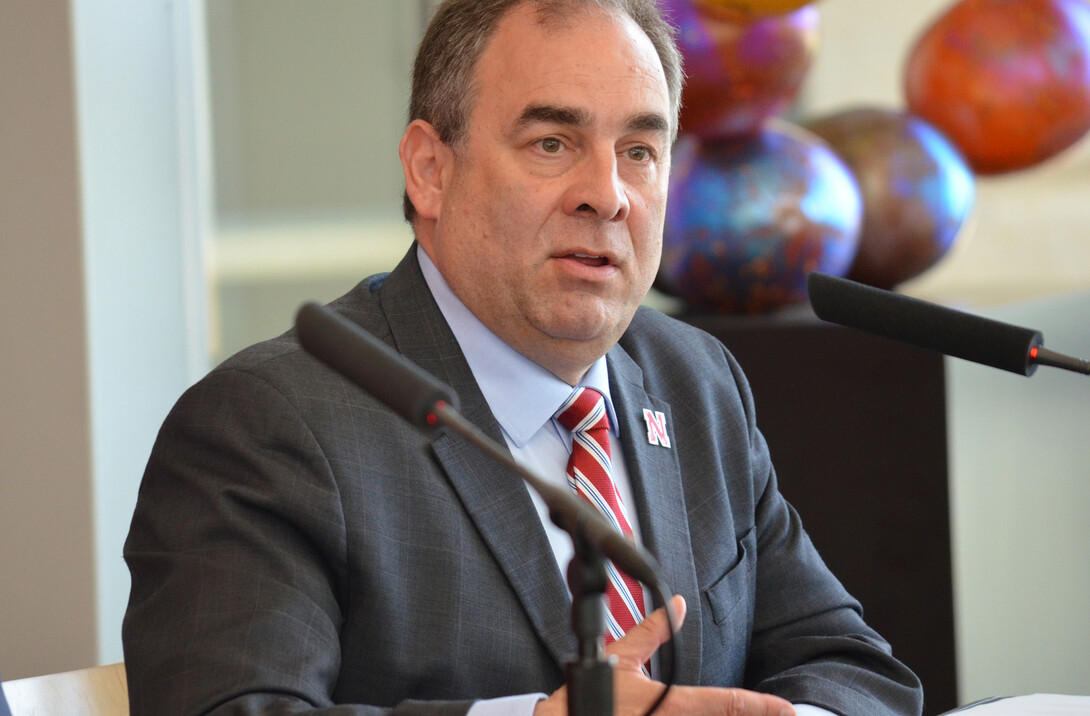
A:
98	691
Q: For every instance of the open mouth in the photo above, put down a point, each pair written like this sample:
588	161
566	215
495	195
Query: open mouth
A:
589	260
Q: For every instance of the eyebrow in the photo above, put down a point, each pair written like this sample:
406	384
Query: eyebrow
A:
578	117
649	121
552	114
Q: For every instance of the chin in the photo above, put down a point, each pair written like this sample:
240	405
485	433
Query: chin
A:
588	332
586	318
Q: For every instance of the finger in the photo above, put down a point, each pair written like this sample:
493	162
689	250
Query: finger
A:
740	702
678	609
641	641
725	702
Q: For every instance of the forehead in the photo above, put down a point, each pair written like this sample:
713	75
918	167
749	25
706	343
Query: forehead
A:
594	58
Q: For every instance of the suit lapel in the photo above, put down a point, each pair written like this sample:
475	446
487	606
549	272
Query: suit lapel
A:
657	486
494	498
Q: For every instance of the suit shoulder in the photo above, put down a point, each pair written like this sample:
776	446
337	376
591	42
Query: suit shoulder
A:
282	362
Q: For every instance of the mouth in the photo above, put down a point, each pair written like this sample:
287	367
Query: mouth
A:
592	260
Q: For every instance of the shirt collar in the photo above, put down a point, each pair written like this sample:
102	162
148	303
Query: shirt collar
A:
523	396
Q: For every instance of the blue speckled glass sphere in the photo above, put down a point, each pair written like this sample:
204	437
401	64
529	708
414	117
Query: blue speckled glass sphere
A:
749	219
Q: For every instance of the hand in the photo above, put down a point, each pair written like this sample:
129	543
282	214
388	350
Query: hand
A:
633	692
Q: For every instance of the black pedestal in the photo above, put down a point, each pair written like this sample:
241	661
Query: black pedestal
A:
857	429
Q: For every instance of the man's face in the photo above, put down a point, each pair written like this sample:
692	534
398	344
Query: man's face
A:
550	228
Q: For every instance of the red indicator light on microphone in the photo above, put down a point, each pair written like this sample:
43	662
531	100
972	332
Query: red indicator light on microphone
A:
432	418
1033	353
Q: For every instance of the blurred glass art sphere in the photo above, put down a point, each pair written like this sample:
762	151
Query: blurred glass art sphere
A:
1008	81
740	74
749	218
749	10
917	190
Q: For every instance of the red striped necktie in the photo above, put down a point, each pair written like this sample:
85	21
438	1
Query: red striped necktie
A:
590	475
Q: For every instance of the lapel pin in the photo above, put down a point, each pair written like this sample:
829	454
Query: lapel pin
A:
656	427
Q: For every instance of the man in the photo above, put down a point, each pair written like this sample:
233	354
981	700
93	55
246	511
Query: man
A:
296	545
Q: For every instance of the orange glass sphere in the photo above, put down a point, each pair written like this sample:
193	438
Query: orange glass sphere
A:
1008	81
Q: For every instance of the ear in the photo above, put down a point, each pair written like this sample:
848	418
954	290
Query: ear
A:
425	159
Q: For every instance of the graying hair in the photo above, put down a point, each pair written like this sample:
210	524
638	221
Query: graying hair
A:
443	85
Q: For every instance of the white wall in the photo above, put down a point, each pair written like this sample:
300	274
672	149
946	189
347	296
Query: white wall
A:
101	326
140	129
47	597
1020	498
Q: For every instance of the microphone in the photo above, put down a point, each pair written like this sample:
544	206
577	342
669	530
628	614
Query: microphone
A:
427	403
928	325
399	384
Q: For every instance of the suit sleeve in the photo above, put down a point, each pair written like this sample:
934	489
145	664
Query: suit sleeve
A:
237	553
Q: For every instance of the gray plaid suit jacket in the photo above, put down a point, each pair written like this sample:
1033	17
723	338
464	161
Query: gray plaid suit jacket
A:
297	548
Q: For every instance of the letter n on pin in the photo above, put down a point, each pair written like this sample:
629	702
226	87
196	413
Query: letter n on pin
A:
656	427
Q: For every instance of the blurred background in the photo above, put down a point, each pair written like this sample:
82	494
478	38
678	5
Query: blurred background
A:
177	176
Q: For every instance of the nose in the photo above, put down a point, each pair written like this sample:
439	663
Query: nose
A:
597	190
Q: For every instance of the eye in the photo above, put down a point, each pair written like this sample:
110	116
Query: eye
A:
639	154
551	145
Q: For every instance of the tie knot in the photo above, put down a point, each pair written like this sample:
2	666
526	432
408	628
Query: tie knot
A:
584	410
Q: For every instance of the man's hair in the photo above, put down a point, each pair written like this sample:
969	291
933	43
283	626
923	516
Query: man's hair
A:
444	74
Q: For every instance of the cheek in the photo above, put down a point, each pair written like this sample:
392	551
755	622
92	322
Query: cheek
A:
648	245
516	225
652	222
653	252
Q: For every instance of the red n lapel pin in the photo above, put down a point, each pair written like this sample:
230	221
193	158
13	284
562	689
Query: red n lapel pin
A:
656	427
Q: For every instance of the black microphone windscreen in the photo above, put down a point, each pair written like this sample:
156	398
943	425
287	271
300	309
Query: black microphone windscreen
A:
923	324
374	366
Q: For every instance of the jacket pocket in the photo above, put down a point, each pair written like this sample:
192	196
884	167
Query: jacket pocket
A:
736	587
